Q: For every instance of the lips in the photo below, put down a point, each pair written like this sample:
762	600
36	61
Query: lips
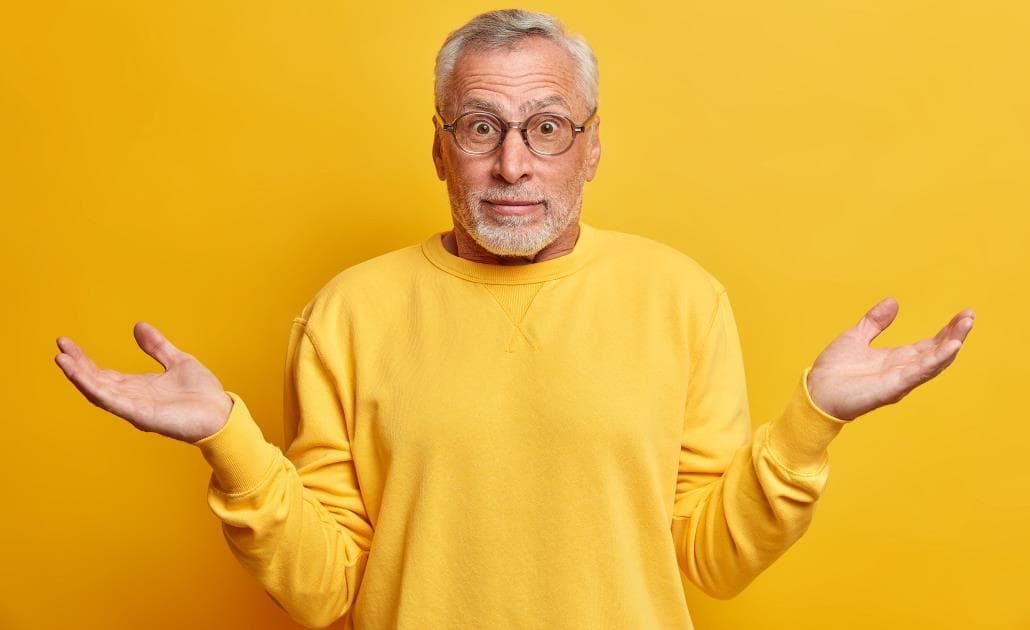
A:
512	206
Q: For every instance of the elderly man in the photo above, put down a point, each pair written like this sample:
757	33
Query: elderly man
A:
525	421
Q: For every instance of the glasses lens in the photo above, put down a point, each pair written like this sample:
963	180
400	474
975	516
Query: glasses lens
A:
549	133
477	132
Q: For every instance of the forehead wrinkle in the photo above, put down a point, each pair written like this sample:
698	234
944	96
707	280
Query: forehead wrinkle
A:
535	68
494	96
480	104
543	72
547	101
504	81
466	81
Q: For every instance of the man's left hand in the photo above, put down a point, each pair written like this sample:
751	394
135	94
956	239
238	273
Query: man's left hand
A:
849	378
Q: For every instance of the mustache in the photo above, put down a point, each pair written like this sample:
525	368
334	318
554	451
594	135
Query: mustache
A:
514	192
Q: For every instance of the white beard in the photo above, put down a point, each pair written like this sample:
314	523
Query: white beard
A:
517	235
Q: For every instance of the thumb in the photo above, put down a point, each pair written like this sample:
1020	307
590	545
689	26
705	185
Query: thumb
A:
877	319
155	344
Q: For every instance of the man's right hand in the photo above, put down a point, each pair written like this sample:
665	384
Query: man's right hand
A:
186	402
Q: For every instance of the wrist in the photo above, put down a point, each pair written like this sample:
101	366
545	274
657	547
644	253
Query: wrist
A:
816	386
238	453
216	420
224	408
800	435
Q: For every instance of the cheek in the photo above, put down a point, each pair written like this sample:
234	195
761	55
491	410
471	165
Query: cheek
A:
568	182
465	173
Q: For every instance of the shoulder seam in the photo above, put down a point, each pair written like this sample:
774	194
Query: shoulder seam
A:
708	331
315	345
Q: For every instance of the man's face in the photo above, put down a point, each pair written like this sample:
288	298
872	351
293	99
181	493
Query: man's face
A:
512	201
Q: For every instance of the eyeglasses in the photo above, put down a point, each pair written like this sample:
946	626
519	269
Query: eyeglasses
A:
545	133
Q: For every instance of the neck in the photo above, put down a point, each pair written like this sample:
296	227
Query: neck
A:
459	243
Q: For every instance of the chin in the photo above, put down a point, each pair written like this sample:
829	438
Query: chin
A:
509	242
522	236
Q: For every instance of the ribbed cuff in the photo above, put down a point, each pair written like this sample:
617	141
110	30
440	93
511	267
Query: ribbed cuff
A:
238	453
799	438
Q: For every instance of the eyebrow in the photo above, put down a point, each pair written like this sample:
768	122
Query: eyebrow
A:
530	106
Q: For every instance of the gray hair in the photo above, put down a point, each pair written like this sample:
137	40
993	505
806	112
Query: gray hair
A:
505	29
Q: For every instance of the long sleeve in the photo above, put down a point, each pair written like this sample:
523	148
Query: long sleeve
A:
296	522
742	500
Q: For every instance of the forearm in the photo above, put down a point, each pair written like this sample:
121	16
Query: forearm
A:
310	560
730	530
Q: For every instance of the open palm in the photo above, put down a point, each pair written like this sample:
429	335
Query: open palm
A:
185	402
850	378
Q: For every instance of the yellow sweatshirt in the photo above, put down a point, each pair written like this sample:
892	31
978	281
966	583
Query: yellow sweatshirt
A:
554	445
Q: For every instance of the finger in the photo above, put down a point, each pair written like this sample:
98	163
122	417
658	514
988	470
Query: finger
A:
961	329
931	363
877	319
76	355
155	344
86	378
69	347
957	328
946	332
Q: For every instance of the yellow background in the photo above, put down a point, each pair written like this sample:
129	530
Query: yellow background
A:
206	167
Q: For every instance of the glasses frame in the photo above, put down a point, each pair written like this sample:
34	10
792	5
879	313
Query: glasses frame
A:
508	125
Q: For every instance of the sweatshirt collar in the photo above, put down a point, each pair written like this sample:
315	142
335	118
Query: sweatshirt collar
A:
530	273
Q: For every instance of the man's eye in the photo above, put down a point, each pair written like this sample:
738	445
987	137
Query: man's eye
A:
547	127
483	128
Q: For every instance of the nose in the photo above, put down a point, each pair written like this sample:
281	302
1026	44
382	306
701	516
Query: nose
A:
513	160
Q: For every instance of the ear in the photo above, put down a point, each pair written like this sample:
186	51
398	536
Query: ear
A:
438	154
594	149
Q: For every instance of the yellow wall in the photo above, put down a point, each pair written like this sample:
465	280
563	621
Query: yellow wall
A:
208	166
